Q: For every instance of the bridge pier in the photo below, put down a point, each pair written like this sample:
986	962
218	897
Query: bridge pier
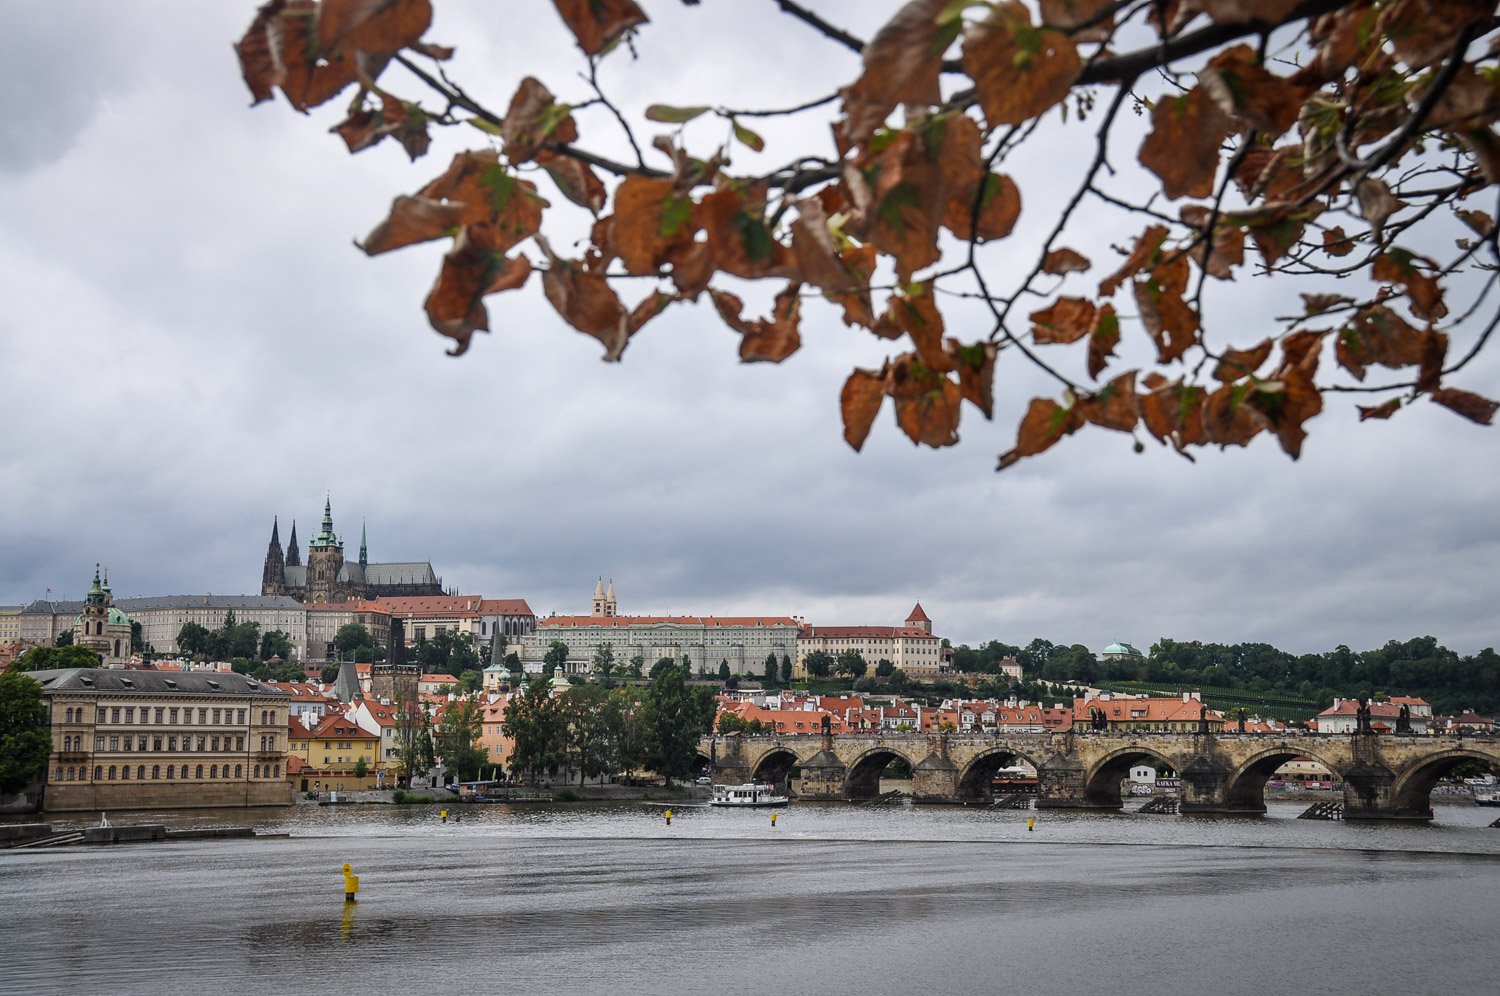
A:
1062	783
934	779
1205	789
823	777
1369	795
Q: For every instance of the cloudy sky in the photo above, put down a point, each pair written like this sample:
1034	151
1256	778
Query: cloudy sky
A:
191	344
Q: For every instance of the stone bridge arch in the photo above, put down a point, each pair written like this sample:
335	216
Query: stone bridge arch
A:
774	766
1411	791
1245	787
1101	782
976	778
864	770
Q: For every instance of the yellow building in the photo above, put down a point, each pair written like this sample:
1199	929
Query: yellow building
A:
329	752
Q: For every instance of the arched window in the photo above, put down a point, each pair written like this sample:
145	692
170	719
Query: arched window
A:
155	771
238	770
213	771
276	772
257	771
68	715
200	772
111	772
169	771
140	771
59	774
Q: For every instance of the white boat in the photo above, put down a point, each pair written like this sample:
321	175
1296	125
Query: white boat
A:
1486	798
748	795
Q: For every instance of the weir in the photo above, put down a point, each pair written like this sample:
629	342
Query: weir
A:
1385	777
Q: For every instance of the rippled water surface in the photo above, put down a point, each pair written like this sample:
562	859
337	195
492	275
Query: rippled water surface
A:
833	899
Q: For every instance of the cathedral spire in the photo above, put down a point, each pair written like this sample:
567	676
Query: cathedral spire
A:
293	555
363	559
273	574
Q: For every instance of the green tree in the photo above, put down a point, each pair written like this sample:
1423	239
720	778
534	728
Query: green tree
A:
275	643
637	665
54	658
661	666
786	669
409	725
64	639
137	641
556	657
819	663
595	724
361	767
351	637
458	739
25	735
773	669
884	668
724	671
192	640
851	663
470	682
675	718
604	660
535	721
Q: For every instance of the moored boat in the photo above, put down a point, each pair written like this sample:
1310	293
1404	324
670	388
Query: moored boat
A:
1490	798
749	795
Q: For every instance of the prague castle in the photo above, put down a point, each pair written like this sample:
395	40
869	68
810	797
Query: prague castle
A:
328	577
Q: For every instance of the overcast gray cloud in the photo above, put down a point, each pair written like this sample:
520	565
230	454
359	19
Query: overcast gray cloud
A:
191	345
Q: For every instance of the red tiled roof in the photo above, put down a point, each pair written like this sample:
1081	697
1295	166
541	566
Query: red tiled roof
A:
335	726
855	632
917	615
364	606
504	607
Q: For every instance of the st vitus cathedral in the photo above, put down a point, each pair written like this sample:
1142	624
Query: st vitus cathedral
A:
328	577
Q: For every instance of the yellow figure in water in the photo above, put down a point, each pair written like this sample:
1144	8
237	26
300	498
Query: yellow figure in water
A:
669	817
351	884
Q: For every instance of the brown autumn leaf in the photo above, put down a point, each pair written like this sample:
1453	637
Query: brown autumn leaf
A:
650	218
1398	266
907	201
761	340
473	268
1317	304
366	126
914	311
598	24
1226	251
1236	81
575	179
1236	363
1282	405
533	118
585	301
281	49
741	242
1067	15
474	188
1473	407
1146	248
844	276
1113	406
1062	261
1381	411
927	403
1169	319
1341	38
1067	319
692	266
381	27
901	66
859	403
1275	228
1410	27
1336	243
1183	148
646	309
1103	340
1243	11
1227	419
1018	71
1434	355
999	209
1173	411
976	373
1044	424
1378	336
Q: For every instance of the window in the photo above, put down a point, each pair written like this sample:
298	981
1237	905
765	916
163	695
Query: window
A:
128	741
216	717
114	714
174	714
257	771
125	772
171	745
237	770
155	771
69	715
114	743
111	772
160	710
129	713
200	772
187	717
203	713
239	743
216	743
213	771
59	776
169	772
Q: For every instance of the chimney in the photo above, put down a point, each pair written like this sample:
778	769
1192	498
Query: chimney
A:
1185	696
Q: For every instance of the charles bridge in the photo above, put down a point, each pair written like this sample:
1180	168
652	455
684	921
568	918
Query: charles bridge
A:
1385	777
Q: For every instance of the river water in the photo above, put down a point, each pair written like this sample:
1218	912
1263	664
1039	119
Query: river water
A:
833	899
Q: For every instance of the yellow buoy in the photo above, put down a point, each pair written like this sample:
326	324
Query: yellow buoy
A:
773	819
669	817
351	884
1031	824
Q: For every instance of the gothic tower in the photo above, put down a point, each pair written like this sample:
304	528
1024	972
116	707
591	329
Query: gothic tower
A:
273	575
598	607
325	558
293	555
95	615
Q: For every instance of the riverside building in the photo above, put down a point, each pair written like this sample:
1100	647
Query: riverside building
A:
163	740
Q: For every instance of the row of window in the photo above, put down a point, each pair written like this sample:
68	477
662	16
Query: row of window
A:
77	773
166	714
142	743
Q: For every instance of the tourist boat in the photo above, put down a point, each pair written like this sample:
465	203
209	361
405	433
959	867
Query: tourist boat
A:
748	795
1490	798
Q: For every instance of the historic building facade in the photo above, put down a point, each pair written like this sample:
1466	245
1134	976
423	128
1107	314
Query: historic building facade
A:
163	740
101	627
913	648
706	641
328	577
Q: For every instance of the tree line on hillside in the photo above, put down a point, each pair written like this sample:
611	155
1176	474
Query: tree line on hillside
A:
1420	666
